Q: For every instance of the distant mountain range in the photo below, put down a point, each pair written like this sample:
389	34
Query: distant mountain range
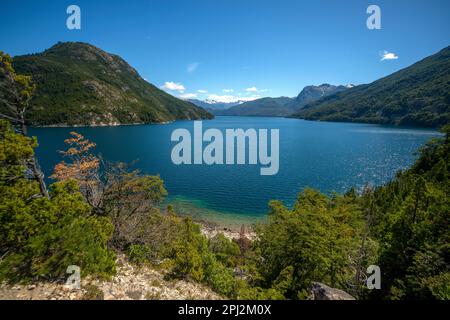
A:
273	107
79	84
418	95
212	105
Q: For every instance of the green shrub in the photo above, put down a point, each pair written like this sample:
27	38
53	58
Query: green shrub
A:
93	293
139	253
225	250
39	236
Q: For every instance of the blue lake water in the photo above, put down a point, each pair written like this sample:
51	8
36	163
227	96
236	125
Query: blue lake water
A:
323	155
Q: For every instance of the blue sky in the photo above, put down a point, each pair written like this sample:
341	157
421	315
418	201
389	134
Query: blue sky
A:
252	47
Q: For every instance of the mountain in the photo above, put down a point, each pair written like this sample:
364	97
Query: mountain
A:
281	106
212	105
79	84
260	107
312	93
418	95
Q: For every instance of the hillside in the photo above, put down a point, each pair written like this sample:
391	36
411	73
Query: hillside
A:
417	95
131	282
79	84
260	107
212	105
313	93
281	106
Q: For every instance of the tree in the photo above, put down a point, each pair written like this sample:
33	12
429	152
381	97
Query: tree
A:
114	190
39	236
83	167
16	92
225	250
129	199
316	241
411	221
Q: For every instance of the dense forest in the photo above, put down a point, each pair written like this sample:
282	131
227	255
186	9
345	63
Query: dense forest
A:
80	84
96	209
418	95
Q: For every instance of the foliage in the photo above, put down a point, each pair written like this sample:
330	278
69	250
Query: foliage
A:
39	236
78	83
139	253
93	293
16	92
83	167
129	200
113	190
224	249
15	152
316	241
412	222
188	251
417	95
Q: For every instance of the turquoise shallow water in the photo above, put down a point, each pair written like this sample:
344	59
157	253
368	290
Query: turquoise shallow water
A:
327	156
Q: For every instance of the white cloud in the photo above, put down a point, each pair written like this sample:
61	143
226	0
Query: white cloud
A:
227	90
388	56
255	89
192	67
230	98
188	96
202	91
173	86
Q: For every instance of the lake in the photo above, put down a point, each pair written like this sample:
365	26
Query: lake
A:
323	155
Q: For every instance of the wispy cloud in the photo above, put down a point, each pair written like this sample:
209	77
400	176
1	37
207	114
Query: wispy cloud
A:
192	67
188	96
202	91
227	90
385	55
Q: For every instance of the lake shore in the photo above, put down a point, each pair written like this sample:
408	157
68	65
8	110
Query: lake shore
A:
210	230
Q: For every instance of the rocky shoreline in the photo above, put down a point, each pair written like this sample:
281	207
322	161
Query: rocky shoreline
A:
101	124
210	230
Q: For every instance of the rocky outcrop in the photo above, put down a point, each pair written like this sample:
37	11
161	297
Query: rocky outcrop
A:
210	231
320	291
130	283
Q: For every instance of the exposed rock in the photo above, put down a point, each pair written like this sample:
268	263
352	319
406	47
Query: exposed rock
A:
129	283
320	291
210	231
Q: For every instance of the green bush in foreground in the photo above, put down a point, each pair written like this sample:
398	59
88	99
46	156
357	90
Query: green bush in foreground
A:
40	237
